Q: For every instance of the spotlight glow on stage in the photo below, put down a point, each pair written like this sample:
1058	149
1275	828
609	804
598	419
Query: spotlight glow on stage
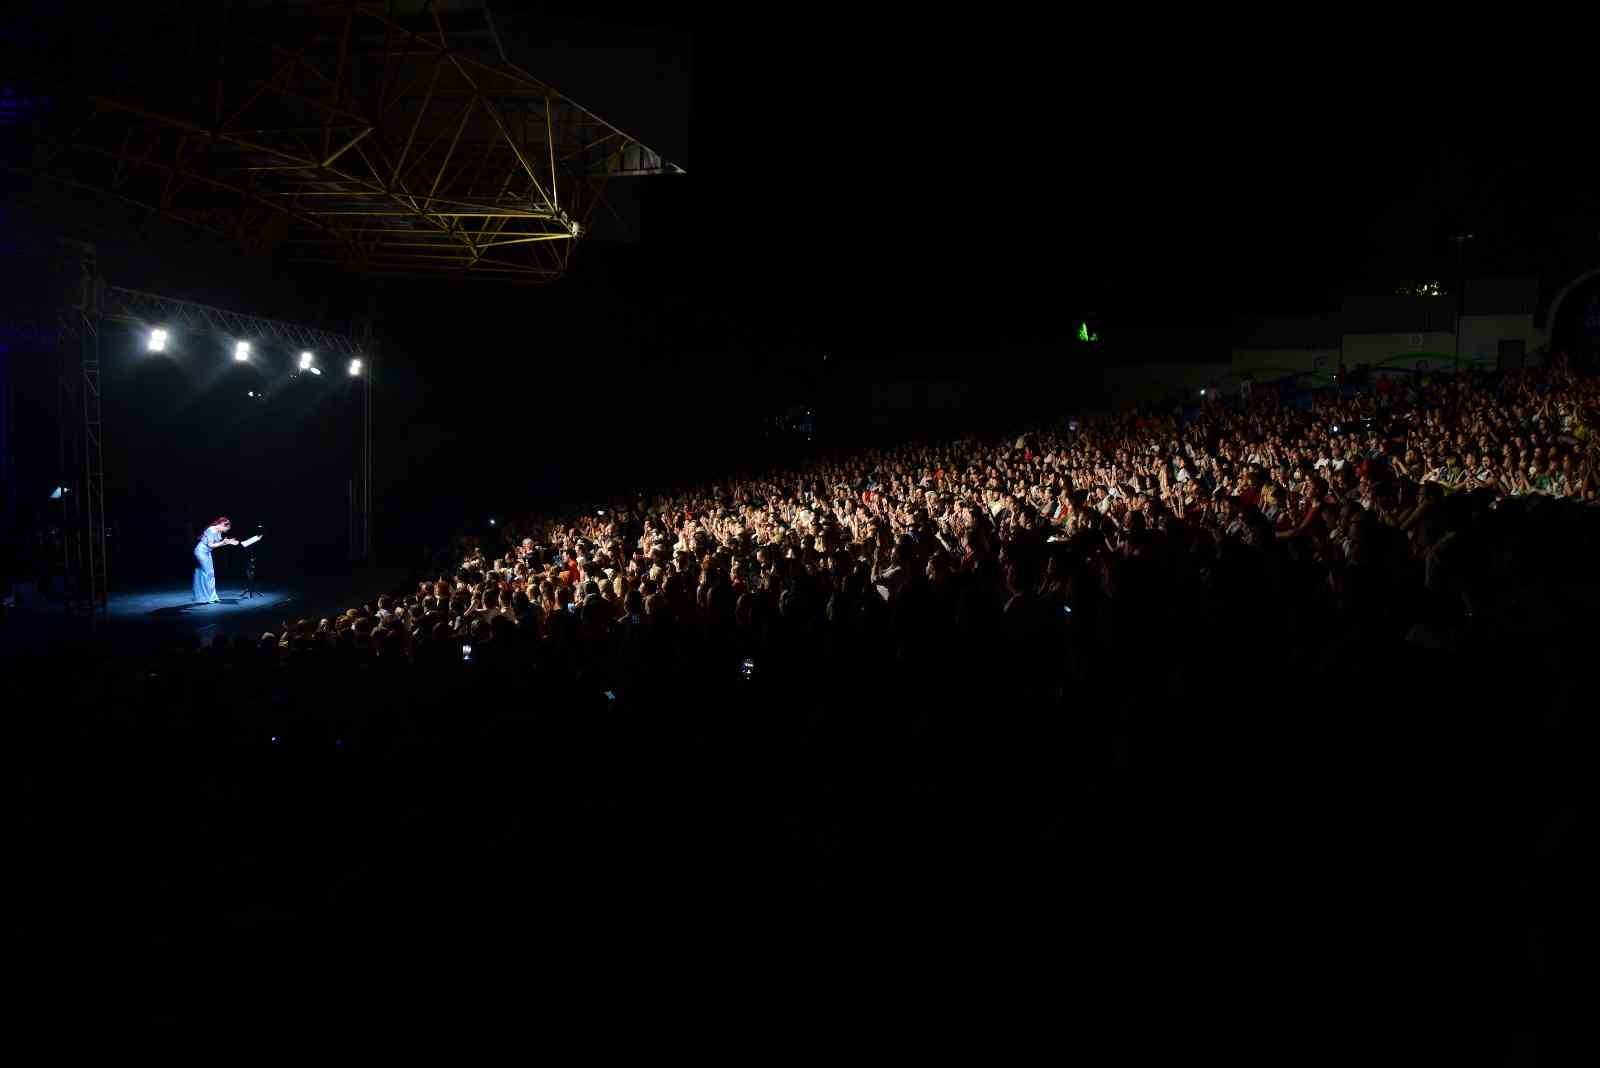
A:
305	361
355	367
157	342
315	370
241	351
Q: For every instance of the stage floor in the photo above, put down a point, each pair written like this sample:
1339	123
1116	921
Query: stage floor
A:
152	617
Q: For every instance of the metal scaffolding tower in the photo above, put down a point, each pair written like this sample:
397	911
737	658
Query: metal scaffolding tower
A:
81	484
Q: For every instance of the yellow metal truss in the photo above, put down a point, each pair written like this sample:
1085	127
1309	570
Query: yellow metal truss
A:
342	133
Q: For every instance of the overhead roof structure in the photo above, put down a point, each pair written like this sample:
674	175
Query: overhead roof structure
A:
384	137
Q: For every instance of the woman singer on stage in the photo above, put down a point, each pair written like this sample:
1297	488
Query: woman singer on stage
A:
205	579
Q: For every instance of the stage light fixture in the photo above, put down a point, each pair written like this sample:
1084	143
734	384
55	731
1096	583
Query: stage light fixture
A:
355	367
157	342
241	351
305	361
315	370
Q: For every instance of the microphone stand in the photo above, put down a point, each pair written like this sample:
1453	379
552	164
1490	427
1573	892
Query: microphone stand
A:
250	571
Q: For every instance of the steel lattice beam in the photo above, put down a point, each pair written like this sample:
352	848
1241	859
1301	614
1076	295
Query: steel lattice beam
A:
382	142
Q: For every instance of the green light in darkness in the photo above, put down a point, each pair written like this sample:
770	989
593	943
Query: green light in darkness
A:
1084	335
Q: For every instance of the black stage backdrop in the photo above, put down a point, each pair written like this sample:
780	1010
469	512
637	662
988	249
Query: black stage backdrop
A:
192	434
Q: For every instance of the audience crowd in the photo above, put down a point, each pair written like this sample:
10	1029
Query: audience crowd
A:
1148	663
1373	501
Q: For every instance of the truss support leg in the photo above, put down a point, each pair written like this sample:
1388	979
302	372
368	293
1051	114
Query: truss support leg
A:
82	479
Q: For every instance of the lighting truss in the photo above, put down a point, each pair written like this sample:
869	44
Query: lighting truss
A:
384	137
133	306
